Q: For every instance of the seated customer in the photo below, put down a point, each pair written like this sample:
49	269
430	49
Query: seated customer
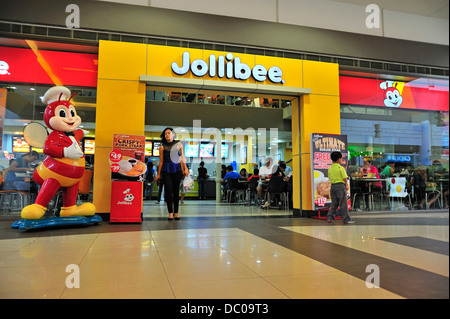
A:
389	170
230	174
420	186
369	170
255	175
264	173
243	174
19	165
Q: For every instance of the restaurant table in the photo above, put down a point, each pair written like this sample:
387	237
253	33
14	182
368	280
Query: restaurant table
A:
369	180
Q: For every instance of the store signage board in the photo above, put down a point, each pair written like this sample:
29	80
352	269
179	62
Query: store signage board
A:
229	66
421	94
322	145
184	64
20	65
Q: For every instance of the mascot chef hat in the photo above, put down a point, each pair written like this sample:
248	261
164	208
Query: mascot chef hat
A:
54	94
57	95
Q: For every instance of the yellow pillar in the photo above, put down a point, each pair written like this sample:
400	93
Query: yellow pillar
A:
319	112
120	107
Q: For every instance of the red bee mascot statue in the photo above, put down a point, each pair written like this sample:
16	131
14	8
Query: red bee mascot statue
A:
64	164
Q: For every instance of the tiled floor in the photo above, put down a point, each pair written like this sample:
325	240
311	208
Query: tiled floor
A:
212	253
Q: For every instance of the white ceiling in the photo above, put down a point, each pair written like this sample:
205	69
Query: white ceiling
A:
427	8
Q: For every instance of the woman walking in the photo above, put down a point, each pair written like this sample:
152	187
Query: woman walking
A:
172	167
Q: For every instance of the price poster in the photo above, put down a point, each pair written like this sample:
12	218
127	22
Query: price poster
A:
127	158
322	145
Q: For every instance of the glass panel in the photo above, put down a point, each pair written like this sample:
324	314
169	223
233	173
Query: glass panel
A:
403	130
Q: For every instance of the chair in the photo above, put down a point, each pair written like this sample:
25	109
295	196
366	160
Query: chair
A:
218	99
233	188
252	189
174	96
432	191
359	191
11	199
54	207
276	188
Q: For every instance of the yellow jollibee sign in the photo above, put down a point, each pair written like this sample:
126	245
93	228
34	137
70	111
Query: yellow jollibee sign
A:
223	66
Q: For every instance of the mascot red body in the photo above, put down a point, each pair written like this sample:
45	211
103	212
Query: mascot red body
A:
64	165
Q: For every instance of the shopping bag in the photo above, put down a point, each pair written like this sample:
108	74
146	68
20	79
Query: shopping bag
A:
188	183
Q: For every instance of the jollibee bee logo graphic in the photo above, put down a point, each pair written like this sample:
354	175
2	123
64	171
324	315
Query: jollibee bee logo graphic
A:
128	196
392	96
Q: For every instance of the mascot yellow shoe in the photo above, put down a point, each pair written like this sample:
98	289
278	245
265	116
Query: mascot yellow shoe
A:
33	211
86	209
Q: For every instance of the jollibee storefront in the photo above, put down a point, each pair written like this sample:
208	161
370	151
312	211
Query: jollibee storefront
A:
125	70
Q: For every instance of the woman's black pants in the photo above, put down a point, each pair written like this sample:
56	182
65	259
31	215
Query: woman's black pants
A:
172	191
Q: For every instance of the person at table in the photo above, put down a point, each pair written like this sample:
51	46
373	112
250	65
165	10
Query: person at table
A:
370	171
20	165
230	174
264	174
420	186
389	169
438	170
440	176
243	174
223	172
286	172
255	175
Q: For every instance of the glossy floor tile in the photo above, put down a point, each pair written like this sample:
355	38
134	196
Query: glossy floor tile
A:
230	257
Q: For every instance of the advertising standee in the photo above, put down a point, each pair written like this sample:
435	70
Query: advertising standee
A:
322	145
127	166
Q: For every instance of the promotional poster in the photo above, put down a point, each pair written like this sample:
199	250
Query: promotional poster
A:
322	145
127	159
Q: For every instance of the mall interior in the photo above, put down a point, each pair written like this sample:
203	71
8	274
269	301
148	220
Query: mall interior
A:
239	84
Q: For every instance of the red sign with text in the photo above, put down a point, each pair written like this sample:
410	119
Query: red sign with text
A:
48	67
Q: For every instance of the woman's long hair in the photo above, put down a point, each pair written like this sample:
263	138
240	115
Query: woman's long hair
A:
163	138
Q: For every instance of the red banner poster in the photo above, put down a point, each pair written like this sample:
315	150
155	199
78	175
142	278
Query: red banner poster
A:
48	67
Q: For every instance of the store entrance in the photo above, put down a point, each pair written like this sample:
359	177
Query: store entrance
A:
250	128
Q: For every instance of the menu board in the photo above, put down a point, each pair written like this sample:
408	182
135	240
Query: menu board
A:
148	148
322	145
224	150
19	145
207	150
89	146
191	150
156	146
